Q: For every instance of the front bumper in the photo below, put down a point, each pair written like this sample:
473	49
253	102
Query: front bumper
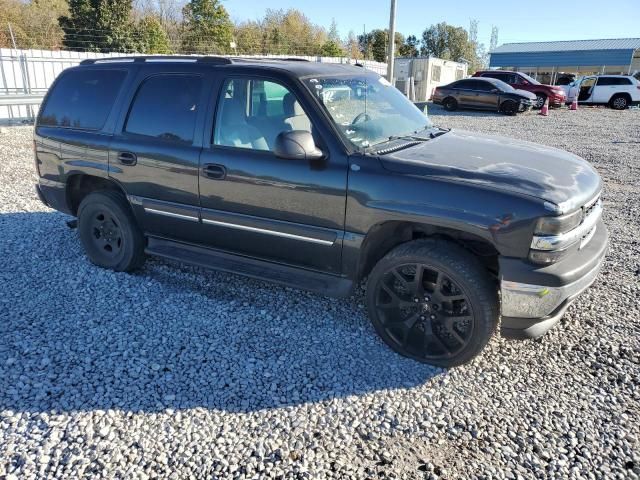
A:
535	298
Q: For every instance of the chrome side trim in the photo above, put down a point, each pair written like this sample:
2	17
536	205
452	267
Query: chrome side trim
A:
563	240
171	214
269	232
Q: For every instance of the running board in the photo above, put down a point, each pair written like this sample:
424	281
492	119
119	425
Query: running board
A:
322	283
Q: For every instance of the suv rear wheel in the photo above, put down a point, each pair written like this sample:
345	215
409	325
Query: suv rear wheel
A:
619	102
109	233
432	301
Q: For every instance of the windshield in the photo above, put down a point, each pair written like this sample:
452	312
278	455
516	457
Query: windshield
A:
505	87
367	109
529	79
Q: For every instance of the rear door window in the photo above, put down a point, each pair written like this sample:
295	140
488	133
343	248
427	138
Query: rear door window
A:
166	107
82	99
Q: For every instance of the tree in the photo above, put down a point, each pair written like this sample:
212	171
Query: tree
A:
99	26
34	24
151	37
353	47
331	49
250	38
451	43
374	44
291	32
333	35
410	47
206	27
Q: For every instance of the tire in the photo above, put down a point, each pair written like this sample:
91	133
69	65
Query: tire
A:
109	233
444	326
450	104
540	99
619	102
509	107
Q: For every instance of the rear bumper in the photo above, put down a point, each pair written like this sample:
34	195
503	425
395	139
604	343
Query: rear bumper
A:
52	194
534	298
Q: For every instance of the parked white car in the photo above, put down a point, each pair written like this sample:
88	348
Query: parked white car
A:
617	91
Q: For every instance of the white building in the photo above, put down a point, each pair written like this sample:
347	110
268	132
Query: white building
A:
418	77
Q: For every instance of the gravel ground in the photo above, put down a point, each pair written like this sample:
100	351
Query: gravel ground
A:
177	372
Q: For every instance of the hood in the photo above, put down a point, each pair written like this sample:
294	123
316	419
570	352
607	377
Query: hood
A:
501	163
524	93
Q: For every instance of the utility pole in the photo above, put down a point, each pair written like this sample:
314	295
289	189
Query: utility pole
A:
392	41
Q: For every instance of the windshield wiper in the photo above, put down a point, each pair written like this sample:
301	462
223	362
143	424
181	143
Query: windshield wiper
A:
415	136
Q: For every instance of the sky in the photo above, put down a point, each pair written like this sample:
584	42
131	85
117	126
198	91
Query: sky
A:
517	21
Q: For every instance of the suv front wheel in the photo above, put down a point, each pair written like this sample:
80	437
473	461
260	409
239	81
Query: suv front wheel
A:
109	232
432	301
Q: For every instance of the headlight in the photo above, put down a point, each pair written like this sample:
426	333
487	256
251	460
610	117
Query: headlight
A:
557	225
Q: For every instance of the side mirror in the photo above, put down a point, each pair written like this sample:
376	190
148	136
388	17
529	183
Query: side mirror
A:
495	90
296	145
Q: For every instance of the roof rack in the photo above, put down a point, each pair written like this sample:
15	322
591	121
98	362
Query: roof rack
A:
159	58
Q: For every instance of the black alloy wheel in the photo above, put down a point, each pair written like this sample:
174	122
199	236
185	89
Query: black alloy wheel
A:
432	301
424	312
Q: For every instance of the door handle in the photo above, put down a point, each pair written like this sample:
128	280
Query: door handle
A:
127	158
215	171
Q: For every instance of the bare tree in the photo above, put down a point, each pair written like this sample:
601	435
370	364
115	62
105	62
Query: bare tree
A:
493	44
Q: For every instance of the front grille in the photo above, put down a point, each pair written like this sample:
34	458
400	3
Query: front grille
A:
590	207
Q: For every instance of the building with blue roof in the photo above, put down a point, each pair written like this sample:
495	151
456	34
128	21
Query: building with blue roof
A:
549	61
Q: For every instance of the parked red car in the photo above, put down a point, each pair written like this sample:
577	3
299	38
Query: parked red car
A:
521	81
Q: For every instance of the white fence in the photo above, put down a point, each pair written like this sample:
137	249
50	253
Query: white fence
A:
25	75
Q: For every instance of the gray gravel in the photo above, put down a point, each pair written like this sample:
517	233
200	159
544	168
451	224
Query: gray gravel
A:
177	372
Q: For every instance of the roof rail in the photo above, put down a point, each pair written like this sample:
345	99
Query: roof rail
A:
159	58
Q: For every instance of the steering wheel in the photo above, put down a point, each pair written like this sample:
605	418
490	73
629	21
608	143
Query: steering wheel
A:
362	116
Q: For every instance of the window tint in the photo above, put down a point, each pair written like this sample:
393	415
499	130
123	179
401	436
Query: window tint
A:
82	99
499	76
463	84
483	86
251	113
166	106
607	81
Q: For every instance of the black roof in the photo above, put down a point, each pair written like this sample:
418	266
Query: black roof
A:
297	66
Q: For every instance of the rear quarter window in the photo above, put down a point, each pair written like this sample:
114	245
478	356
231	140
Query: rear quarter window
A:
82	99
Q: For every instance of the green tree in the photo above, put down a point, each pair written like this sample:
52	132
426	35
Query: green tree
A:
99	26
151	36
451	43
291	32
331	49
352	46
206	27
34	23
373	44
410	47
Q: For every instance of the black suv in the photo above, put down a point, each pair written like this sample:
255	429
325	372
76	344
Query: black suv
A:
318	176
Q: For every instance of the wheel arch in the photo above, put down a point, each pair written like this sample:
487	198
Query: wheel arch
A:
626	95
79	185
384	237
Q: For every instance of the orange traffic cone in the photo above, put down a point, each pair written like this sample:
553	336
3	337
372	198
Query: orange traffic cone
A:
574	104
545	108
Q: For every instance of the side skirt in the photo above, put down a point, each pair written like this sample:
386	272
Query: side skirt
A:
325	284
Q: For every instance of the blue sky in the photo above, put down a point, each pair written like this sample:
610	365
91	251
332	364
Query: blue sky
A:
517	21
